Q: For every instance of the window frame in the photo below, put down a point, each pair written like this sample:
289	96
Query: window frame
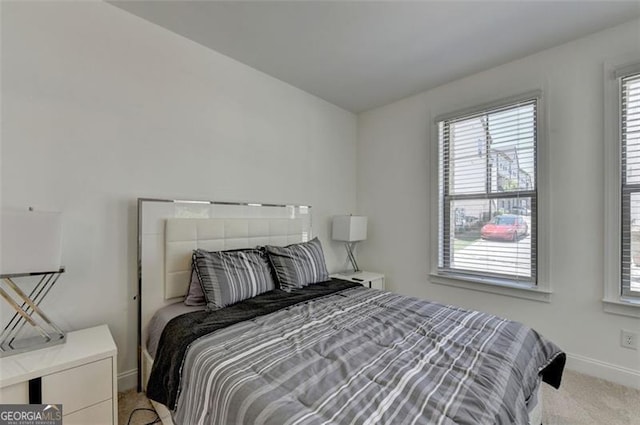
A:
616	300
538	292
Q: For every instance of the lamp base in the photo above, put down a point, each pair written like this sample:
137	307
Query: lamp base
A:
29	344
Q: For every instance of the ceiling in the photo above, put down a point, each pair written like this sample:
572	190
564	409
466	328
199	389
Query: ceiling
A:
360	55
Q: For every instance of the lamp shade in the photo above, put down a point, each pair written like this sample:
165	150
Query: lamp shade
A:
31	242
349	228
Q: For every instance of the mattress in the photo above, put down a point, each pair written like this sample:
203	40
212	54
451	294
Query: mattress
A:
339	353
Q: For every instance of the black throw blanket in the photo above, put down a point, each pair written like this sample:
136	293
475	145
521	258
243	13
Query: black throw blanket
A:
181	331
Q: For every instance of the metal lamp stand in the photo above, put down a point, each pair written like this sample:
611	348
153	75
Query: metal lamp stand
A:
29	312
349	246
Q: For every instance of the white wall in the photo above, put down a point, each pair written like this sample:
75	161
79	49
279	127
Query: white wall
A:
395	167
100	107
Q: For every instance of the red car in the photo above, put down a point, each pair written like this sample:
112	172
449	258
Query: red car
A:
507	227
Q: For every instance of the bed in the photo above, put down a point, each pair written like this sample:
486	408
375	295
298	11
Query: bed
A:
326	352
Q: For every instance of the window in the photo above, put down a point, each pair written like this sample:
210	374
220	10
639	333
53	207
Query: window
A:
487	222
630	183
622	186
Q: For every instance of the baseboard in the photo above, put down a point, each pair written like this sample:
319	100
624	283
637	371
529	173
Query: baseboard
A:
127	380
603	370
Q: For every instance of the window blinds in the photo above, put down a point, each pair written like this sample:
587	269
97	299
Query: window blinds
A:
488	193
630	167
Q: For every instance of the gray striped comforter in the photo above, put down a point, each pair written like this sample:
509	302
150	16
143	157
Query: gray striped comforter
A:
363	356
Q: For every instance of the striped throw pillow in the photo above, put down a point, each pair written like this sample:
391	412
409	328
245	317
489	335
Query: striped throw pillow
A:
299	264
228	277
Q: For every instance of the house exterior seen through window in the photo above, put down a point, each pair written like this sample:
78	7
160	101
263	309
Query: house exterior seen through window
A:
488	193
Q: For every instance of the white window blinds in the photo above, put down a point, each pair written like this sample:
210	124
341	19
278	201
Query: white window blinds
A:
630	167
488	193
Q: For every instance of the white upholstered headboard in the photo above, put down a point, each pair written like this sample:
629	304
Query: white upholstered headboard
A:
169	230
183	235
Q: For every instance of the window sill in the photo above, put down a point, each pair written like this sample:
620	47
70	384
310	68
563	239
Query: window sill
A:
523	291
622	306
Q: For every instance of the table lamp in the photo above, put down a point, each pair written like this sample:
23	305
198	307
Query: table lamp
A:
350	229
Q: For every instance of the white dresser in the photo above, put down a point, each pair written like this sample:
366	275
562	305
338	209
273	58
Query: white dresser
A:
79	374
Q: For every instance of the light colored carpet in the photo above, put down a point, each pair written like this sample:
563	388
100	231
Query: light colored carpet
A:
584	400
581	400
129	400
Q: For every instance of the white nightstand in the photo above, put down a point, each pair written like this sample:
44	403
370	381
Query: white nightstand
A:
79	374
369	279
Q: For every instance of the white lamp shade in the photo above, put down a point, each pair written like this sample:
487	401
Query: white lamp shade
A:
349	228
31	242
